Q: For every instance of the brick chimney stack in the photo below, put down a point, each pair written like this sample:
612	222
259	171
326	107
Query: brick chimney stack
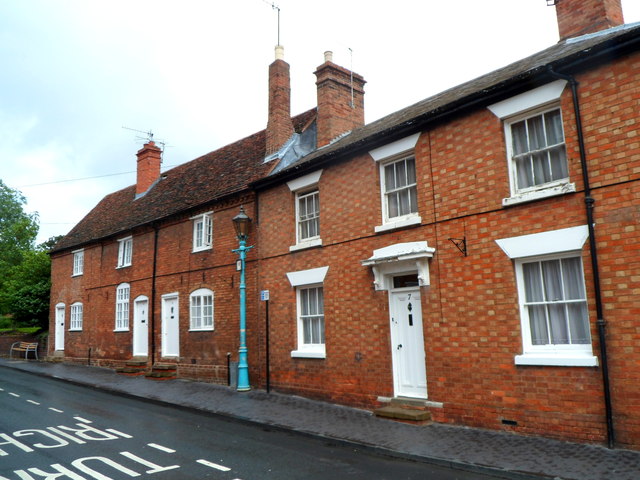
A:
340	100
279	125
149	158
579	17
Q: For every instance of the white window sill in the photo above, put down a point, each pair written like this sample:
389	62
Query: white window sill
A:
316	242
558	360
308	354
76	275
405	222
121	330
202	249
123	266
75	329
551	191
205	329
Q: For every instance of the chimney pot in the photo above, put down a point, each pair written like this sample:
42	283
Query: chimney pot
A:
328	56
279	52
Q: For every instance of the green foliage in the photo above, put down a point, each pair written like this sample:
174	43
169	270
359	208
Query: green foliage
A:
26	291
25	270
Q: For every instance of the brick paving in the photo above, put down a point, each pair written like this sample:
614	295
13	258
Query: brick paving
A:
499	453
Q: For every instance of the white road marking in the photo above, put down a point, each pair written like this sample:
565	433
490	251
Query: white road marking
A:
34	402
56	410
80	419
118	432
206	463
14	394
160	447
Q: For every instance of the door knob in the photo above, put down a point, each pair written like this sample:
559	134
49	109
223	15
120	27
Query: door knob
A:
399	346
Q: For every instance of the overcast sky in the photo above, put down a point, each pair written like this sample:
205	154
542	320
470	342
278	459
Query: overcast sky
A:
194	72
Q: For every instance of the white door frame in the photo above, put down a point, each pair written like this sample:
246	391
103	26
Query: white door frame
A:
60	324
170	326
140	345
407	343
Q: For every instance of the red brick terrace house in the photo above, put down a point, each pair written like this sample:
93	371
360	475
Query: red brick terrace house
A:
474	255
148	277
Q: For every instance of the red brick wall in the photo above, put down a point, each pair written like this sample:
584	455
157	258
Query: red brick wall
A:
203	354
470	311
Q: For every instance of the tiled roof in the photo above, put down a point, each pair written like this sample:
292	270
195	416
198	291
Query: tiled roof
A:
478	92
216	175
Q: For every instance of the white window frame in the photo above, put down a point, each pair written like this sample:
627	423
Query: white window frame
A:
203	232
197	320
301	187
388	154
526	105
304	280
123	304
78	262
550	245
76	317
125	252
299	220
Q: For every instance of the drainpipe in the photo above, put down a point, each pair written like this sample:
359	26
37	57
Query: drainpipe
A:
153	294
589	204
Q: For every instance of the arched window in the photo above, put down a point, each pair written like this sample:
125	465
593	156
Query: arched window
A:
201	310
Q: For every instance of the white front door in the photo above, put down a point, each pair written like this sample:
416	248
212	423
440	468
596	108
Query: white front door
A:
59	342
170	326
407	344
140	327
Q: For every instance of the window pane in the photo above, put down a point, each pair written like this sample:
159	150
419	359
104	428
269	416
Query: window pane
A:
389	177
541	170
411	171
519	138
573	279
524	173
558	161
558	324
536	133
579	323
392	202
532	282
401	174
553	126
552	285
538	321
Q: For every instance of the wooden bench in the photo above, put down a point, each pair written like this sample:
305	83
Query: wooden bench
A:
25	347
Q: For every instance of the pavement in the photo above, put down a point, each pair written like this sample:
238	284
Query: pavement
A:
495	453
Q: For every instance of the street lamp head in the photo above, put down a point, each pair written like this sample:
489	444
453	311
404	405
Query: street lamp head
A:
242	224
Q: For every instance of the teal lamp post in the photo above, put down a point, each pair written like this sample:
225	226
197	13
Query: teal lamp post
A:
242	225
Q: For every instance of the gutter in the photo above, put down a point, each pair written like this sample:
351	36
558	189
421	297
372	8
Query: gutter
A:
589	206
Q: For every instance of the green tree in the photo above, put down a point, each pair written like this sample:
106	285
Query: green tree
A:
26	291
18	231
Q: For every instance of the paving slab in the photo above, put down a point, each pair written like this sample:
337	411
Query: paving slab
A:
498	453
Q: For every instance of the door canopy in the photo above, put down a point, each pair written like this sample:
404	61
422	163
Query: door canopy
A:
400	258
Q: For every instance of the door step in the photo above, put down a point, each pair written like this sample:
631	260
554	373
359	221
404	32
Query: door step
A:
163	372
133	368
406	410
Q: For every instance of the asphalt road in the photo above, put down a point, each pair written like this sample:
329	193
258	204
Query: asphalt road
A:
55	430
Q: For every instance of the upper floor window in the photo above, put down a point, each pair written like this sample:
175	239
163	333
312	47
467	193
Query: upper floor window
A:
76	317
552	297
308	216
535	144
202	232
400	197
201	310
78	262
125	252
538	153
398	183
122	307
307	210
